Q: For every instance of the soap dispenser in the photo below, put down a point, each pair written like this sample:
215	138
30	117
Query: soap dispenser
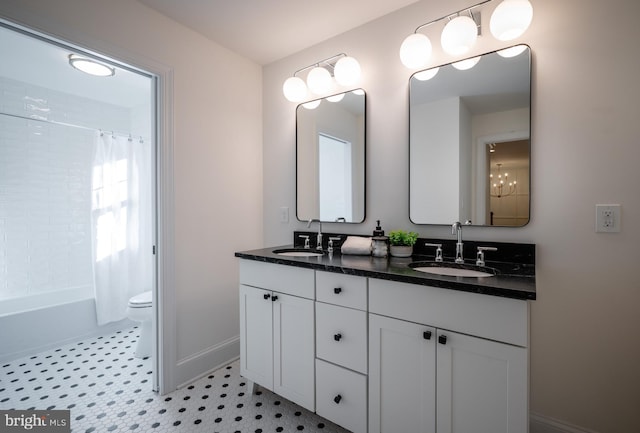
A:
380	242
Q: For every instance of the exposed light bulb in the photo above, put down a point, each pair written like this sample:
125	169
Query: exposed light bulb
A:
347	71
294	89
459	35
319	80
511	19
426	75
463	65
415	51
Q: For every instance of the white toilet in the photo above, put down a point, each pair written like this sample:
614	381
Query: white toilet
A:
140	310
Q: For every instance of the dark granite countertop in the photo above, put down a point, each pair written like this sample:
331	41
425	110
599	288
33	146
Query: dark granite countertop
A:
513	280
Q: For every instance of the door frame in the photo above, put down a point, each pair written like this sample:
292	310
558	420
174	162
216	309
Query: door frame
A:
164	350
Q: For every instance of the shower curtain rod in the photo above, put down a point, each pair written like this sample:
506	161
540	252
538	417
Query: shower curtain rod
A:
71	125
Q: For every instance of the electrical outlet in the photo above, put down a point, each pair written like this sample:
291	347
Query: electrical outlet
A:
607	218
284	214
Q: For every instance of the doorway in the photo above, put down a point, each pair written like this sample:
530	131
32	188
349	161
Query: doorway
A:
57	211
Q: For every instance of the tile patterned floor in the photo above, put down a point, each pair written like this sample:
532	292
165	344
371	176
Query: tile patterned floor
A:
106	389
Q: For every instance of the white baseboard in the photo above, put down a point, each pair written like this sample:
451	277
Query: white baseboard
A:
542	424
202	363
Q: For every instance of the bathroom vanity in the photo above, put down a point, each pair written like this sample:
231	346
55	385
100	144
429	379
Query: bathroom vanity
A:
375	346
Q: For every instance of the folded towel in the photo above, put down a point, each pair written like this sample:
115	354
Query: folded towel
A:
356	245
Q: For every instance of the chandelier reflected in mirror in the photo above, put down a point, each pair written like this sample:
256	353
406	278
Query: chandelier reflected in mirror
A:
500	184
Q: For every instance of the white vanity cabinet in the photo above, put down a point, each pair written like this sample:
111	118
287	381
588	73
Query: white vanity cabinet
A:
341	349
277	324
445	361
382	356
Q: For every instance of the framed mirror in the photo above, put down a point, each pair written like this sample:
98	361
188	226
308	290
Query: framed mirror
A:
469	141
330	158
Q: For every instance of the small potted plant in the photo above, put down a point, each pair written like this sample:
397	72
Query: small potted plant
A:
402	243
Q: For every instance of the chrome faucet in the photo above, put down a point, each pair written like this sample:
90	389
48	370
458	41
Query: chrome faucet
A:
319	239
456	229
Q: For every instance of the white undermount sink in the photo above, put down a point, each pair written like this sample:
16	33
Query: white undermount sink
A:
298	252
453	269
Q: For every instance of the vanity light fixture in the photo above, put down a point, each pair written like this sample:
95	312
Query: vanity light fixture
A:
340	69
459	35
90	66
509	20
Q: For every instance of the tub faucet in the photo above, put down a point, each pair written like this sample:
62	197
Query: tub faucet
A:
456	229
319	239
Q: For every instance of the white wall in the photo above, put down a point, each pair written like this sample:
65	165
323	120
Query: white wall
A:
585	349
217	157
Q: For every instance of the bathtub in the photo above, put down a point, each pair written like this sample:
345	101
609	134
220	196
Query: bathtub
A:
33	324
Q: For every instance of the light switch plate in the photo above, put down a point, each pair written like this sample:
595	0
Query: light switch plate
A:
607	218
284	214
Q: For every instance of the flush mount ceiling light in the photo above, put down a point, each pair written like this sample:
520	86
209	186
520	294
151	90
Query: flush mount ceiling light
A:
509	20
322	77
90	66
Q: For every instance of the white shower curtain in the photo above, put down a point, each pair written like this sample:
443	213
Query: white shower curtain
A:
121	223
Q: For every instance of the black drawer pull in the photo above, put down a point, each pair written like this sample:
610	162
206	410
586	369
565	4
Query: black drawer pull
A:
274	298
442	339
337	337
266	296
426	335
337	290
337	399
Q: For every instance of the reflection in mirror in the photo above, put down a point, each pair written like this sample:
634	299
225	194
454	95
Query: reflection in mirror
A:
330	158
469	141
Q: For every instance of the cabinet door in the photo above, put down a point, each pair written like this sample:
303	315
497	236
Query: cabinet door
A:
294	349
256	337
402	376
482	385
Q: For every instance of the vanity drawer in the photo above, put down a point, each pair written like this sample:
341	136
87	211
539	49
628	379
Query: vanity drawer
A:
490	317
341	396
280	278
340	289
341	336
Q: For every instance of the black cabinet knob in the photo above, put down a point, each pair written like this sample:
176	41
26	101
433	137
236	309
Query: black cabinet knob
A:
337	337
274	298
442	339
426	335
337	399
266	296
337	290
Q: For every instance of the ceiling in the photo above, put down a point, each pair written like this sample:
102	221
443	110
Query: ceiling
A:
261	30
46	65
268	30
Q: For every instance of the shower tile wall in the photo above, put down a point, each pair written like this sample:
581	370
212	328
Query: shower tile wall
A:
45	181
